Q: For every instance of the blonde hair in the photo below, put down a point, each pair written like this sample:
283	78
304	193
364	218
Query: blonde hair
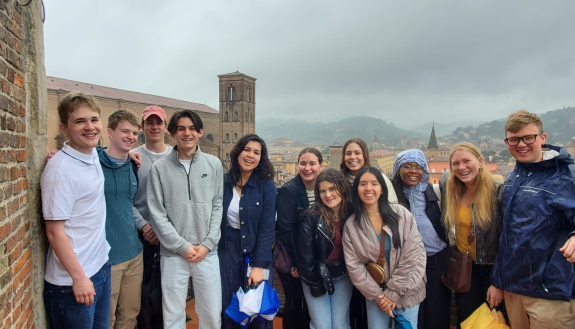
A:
485	200
520	119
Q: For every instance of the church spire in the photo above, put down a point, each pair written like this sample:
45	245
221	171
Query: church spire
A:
432	140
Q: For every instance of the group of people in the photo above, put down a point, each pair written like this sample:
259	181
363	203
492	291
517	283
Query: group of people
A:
108	217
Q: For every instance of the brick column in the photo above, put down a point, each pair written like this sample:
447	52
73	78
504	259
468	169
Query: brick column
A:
16	286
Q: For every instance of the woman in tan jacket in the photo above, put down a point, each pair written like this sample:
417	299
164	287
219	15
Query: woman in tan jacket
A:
374	219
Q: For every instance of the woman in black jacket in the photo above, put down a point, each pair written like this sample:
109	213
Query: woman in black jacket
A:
293	199
327	287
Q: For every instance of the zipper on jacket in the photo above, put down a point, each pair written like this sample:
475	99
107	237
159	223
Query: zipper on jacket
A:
332	244
188	175
474	232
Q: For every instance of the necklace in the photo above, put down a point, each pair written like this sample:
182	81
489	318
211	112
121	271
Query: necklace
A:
373	214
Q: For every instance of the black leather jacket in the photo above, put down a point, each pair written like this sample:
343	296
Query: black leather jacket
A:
486	241
291	202
314	249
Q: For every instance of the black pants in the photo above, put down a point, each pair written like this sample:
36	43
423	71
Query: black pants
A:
357	310
468	302
434	311
233	275
295	313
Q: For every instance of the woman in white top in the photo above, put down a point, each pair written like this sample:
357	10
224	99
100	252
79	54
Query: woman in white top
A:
248	223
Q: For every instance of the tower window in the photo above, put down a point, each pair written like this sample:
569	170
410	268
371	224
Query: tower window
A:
228	156
226	117
236	116
248	95
227	137
210	137
235	137
231	93
247	117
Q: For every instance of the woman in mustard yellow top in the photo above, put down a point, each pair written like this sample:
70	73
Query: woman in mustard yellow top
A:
470	194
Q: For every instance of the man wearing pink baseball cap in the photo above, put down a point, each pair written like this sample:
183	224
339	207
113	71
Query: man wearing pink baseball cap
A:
154	122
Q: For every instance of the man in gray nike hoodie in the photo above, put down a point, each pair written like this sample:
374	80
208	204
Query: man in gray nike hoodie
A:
184	195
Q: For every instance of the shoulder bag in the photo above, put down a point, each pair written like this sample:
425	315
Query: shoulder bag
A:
377	269
457	273
280	258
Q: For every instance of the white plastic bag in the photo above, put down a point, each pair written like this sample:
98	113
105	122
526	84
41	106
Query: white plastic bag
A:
251	301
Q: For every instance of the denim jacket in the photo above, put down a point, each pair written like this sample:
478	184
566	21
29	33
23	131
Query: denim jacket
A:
257	218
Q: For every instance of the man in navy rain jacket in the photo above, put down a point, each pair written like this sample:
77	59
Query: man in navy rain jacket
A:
534	266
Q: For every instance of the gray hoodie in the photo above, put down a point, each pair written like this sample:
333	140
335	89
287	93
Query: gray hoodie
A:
186	209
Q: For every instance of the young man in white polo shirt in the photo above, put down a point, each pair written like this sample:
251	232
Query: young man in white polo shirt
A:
77	280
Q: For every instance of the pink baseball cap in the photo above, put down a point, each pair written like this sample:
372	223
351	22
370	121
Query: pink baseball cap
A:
150	110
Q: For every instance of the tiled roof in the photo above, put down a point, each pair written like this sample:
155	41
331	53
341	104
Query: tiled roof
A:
126	95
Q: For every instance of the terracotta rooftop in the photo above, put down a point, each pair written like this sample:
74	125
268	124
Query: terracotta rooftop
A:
125	95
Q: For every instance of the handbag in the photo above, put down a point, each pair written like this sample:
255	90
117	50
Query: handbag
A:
377	269
280	258
457	273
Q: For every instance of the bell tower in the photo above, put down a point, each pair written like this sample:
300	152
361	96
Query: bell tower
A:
237	110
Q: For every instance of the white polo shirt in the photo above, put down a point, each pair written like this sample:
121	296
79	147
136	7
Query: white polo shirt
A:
73	190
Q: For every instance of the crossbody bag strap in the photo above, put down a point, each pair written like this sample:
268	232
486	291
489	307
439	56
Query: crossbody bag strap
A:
381	258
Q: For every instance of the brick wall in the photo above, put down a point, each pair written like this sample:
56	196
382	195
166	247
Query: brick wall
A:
15	251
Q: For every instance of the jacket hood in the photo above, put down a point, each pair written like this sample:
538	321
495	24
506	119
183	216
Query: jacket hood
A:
554	156
418	157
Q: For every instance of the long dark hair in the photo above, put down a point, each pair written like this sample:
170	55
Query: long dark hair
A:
264	170
364	151
341	184
390	217
397	183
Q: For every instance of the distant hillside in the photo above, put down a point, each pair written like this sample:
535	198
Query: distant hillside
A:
442	129
327	133
555	124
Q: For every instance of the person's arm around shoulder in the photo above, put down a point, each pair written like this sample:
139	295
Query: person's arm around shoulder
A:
356	269
410	270
214	231
164	230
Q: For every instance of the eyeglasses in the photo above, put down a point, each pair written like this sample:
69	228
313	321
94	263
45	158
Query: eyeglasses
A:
410	168
527	139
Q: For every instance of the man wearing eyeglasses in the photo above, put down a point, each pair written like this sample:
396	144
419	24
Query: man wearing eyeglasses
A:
534	266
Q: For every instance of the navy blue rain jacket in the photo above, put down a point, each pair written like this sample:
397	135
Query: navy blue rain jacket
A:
538	217
257	218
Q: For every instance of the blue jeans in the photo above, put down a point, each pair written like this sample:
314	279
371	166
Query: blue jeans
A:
64	312
327	311
377	318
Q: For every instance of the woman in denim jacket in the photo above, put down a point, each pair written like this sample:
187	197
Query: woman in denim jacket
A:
248	222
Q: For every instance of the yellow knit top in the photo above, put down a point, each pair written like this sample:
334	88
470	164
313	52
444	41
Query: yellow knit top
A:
463	220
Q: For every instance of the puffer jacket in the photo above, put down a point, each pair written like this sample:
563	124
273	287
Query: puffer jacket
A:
316	246
486	240
405	280
539	216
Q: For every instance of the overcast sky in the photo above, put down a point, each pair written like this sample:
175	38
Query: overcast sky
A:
407	62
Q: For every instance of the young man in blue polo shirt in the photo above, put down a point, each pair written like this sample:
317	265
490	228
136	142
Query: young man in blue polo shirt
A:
77	280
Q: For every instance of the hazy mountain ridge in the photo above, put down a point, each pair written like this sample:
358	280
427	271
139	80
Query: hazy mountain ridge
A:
556	125
325	134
